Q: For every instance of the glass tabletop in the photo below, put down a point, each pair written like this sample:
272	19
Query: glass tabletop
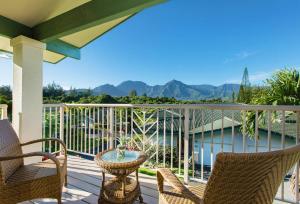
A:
114	157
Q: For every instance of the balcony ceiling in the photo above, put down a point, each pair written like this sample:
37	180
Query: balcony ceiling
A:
37	11
64	25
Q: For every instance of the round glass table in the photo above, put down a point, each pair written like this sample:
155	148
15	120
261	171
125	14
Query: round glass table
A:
121	188
115	156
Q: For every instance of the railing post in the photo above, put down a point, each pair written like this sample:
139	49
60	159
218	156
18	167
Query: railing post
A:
61	122
111	127
186	145
4	112
297	165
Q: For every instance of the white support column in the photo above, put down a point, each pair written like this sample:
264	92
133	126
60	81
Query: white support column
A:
27	91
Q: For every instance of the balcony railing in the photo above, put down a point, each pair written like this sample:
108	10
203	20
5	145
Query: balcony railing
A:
185	138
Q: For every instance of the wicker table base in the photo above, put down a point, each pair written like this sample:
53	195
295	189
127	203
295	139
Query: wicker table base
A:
120	189
112	191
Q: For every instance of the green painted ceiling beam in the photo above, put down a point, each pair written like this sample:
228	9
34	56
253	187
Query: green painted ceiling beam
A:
88	15
12	29
63	48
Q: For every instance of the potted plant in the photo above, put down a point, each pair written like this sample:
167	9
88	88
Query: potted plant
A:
121	147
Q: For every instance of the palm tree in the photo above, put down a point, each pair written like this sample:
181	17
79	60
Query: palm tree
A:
283	88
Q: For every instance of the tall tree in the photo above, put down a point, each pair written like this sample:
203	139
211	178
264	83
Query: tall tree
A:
233	97
133	93
244	95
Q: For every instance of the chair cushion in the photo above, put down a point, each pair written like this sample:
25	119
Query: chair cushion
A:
198	190
39	180
36	171
173	196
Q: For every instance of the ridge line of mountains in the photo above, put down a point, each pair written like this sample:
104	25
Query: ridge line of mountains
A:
173	88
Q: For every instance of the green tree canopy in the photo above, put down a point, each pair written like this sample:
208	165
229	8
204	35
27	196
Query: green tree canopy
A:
53	90
6	97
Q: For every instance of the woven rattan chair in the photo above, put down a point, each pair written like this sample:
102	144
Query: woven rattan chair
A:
19	182
236	178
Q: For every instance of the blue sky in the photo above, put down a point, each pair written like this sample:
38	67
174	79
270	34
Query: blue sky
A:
194	41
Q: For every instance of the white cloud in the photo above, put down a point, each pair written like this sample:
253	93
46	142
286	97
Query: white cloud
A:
66	87
256	78
233	81
239	56
259	76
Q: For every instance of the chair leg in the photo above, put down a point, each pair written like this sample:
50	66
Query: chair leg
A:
66	180
141	199
59	200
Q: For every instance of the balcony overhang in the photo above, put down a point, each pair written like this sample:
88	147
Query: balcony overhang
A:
64	25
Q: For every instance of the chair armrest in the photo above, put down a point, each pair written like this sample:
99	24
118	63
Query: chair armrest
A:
34	154
167	174
45	140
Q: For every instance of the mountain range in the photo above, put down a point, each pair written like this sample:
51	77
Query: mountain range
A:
173	88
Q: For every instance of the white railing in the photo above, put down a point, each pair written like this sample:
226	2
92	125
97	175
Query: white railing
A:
3	111
185	138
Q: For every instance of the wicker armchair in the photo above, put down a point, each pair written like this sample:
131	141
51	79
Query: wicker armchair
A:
236	178
19	182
